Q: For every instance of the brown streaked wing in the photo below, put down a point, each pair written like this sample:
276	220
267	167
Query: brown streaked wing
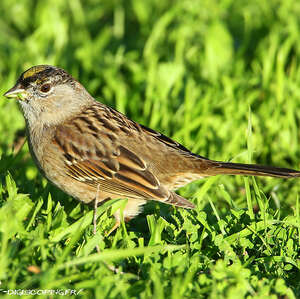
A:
101	160
127	181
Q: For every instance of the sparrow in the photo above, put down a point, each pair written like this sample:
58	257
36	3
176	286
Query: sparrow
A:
94	153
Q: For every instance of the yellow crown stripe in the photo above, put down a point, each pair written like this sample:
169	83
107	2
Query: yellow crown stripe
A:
34	70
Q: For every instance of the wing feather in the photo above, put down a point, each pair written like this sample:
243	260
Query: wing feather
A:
100	159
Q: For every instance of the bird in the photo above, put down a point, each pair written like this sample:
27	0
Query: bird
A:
94	153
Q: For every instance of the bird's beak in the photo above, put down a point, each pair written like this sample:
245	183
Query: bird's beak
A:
16	92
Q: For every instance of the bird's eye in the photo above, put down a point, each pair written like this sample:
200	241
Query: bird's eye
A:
45	87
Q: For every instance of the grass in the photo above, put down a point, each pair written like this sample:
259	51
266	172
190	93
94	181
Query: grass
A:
221	77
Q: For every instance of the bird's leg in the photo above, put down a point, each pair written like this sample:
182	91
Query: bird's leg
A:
118	216
110	267
95	216
117	224
127	212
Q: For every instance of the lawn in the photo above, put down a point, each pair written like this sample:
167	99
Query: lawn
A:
222	77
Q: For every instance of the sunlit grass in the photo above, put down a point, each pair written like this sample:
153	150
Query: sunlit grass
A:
222	78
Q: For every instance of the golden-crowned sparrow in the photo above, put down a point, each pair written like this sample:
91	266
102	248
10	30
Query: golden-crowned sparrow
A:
93	152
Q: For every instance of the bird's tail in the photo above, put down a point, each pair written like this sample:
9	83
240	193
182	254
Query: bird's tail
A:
251	169
212	168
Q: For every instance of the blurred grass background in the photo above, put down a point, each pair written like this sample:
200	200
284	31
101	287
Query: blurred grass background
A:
197	71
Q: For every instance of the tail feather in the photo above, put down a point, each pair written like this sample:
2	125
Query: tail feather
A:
179	201
214	168
252	169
